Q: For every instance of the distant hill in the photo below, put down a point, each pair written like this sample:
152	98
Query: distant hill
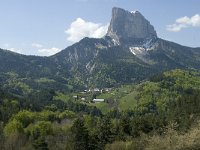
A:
155	94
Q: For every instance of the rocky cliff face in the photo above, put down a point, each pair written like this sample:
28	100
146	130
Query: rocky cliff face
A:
125	25
130	52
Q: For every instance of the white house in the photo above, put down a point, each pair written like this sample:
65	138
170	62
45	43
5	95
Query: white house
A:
107	89
75	96
96	90
98	100
83	98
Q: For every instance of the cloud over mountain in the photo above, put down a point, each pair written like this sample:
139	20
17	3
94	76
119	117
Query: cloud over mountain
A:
48	51
81	28
184	22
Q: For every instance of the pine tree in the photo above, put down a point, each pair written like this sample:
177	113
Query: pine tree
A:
105	131
125	124
81	135
40	144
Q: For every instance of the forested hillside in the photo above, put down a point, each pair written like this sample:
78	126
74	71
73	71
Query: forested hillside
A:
159	113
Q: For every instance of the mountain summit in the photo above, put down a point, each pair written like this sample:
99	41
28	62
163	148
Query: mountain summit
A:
125	25
129	52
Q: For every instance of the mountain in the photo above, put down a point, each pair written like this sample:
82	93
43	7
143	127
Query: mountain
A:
130	52
125	26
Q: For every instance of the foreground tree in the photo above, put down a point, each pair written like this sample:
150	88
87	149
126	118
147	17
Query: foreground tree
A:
80	135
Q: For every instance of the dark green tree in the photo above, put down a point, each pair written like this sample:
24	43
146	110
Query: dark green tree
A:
105	133
80	135
125	124
40	144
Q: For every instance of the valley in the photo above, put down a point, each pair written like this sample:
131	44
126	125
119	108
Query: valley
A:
129	90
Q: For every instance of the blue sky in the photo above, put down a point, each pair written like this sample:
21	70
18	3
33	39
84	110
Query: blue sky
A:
43	27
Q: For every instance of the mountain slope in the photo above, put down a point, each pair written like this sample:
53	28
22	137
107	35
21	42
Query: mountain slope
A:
129	52
97	62
20	74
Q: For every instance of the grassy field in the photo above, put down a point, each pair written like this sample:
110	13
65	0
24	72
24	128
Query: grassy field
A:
128	101
106	96
123	97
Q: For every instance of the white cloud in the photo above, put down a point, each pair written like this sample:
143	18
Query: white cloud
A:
43	51
81	28
36	45
48	51
184	22
7	46
176	27
14	50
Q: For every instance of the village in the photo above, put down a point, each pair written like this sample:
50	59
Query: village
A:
91	95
